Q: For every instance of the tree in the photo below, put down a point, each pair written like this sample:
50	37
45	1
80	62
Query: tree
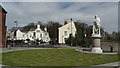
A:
82	37
53	30
71	41
80	33
89	31
42	26
88	39
106	34
102	32
28	27
118	36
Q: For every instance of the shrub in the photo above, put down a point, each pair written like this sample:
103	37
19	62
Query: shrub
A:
71	41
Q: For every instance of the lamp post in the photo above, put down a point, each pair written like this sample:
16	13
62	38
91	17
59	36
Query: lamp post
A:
15	24
15	31
71	31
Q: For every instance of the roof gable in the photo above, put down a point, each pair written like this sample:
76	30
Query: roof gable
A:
2	9
67	25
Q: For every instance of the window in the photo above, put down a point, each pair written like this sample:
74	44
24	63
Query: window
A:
41	35
23	35
45	33
30	35
65	32
34	34
38	30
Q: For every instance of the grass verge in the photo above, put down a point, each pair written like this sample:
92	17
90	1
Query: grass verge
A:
55	57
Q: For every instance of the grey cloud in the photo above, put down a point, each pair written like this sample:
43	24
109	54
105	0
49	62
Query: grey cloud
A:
60	0
26	12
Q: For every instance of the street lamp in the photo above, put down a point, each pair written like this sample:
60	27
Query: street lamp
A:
15	24
15	30
71	30
71	25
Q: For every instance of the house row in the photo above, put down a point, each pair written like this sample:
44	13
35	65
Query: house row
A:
32	34
38	34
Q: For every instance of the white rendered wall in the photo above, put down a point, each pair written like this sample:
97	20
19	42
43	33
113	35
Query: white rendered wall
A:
38	32
19	35
69	30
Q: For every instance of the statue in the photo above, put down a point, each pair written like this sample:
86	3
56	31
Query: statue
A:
96	36
96	26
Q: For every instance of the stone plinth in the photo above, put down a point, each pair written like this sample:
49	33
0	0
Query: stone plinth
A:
96	44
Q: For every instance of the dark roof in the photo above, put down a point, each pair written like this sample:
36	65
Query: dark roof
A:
31	29
25	31
2	9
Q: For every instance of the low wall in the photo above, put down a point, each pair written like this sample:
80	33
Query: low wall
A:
106	45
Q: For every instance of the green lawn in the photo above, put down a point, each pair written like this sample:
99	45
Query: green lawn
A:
55	57
0	58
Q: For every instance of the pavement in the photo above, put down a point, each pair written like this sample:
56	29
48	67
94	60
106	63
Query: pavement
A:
109	65
39	47
87	51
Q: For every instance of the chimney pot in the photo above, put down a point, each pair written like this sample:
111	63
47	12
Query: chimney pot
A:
65	22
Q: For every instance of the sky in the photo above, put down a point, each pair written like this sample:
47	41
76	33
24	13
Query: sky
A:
59	0
27	12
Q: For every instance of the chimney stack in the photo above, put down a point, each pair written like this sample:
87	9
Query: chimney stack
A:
45	29
65	22
38	26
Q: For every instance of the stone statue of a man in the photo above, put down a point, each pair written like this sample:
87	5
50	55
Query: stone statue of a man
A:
96	26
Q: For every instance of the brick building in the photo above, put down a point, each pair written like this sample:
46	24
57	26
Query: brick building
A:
2	27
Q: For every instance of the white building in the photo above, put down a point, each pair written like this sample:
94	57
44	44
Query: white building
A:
10	35
65	31
33	34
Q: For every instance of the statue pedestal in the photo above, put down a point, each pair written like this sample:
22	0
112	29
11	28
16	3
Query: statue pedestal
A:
96	44
96	50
